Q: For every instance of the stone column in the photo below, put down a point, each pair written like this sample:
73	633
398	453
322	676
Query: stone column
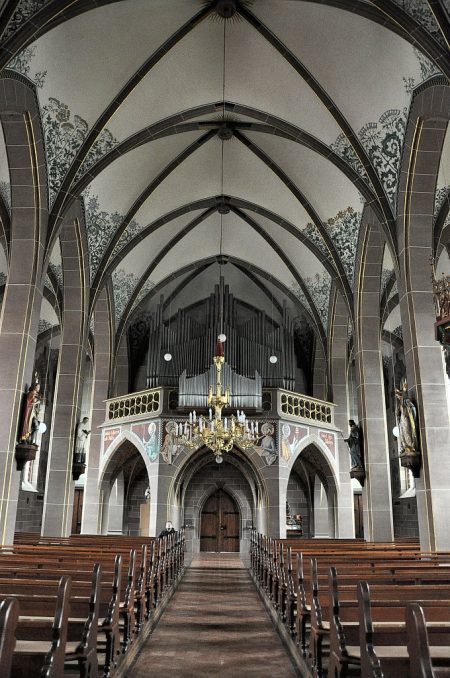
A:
59	486
377	500
115	512
321	518
338	350
423	355
320	385
92	507
121	370
22	298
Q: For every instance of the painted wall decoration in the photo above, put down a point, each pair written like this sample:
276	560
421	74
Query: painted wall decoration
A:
170	448
267	448
124	284
421	12
5	192
330	440
291	439
319	287
344	230
101	226
23	11
149	434
109	436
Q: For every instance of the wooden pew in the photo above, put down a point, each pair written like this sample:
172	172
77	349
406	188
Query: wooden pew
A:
383	644
82	623
9	614
385	564
45	657
424	662
120	615
343	614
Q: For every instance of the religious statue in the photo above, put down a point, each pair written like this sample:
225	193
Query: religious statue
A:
407	422
32	401
81	440
354	445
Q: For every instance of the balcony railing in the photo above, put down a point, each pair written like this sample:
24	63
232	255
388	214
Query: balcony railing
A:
297	405
148	403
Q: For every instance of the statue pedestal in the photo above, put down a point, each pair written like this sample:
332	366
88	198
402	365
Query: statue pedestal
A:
78	468
25	452
412	461
359	474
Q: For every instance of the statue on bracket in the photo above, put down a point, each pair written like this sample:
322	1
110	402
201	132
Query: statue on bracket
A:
27	447
355	446
79	457
408	430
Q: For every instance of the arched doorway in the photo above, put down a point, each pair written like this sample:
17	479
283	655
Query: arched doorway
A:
219	524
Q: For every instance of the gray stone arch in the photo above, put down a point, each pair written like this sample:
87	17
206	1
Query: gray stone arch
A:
20	119
313	460
339	374
425	133
248	465
59	489
126	457
377	502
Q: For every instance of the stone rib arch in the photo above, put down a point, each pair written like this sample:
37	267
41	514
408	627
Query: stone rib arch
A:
425	134
115	103
20	119
378	522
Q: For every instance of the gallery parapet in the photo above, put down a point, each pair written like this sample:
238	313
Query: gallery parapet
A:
155	402
298	406
143	404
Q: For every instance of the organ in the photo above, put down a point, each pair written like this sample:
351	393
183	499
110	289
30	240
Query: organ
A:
190	335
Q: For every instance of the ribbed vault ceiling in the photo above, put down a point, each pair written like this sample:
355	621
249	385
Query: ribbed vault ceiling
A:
135	97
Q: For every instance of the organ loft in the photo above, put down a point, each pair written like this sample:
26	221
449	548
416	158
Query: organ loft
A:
224	338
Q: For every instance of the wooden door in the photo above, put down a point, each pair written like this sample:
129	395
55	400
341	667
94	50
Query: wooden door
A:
358	508
77	510
219	524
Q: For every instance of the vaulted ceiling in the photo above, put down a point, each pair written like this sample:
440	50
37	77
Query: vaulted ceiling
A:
259	137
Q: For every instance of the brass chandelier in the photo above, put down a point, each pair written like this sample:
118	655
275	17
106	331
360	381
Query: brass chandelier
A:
219	433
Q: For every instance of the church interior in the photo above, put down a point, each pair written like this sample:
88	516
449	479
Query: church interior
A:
224	338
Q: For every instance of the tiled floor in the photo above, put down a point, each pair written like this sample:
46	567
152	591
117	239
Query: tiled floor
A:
215	625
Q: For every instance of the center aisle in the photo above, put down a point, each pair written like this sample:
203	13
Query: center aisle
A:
215	625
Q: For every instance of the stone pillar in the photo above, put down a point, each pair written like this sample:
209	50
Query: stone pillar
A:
93	504
121	371
115	511
321	525
22	298
320	382
338	350
59	486
162	507
377	500
423	355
